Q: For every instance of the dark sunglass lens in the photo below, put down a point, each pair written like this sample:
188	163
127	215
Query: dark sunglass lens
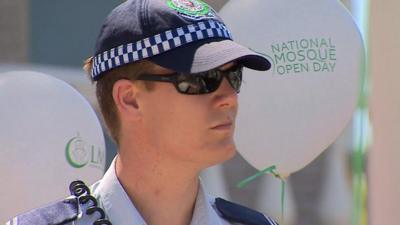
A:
235	78
191	84
207	82
212	80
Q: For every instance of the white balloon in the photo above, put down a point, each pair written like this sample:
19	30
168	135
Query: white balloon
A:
290	114
49	136
336	203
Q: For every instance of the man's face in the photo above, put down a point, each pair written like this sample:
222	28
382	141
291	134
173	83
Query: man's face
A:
190	128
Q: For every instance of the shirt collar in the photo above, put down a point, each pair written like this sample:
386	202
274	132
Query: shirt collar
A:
115	201
204	213
120	209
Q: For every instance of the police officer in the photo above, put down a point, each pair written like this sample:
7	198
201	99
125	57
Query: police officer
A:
167	76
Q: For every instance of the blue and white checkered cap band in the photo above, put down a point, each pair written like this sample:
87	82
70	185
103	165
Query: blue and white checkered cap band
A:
157	44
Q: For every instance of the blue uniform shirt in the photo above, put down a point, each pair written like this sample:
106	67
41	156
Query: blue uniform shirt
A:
120	210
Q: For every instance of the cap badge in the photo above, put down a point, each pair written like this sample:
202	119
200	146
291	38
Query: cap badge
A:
193	9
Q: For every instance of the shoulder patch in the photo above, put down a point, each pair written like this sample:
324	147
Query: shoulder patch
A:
56	213
240	214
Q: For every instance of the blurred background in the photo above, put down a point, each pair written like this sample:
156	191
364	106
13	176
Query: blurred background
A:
354	181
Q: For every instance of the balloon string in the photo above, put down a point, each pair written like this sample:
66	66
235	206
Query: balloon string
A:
360	185
269	170
245	182
283	182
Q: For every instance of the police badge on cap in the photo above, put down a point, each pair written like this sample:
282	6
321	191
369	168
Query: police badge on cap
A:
192	9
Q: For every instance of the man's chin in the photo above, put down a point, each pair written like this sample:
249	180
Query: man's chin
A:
225	154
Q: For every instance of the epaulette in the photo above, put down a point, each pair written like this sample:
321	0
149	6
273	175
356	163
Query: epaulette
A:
57	213
240	214
65	211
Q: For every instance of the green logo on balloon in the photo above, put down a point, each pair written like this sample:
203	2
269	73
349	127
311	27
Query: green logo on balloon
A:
79	154
76	152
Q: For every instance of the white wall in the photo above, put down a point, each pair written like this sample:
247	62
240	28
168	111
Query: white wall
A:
384	157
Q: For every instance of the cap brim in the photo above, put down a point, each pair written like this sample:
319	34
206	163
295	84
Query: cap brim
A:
209	54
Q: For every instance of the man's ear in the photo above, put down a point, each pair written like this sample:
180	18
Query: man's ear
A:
125	97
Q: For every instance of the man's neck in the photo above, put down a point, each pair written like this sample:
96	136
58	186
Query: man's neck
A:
158	188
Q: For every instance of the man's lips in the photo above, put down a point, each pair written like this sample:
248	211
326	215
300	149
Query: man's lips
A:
224	125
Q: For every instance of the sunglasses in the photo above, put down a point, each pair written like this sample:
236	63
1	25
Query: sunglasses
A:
200	83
